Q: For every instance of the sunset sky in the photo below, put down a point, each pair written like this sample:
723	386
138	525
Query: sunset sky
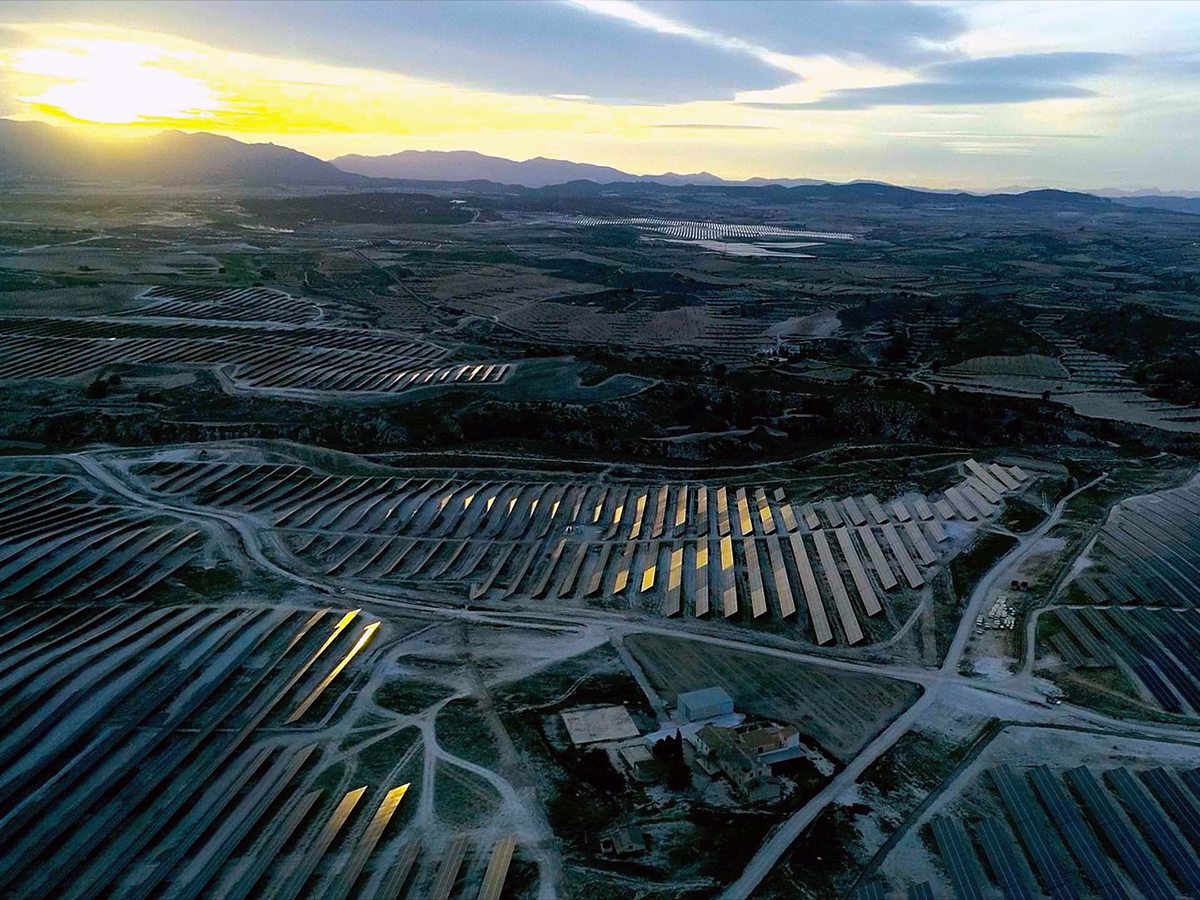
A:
973	95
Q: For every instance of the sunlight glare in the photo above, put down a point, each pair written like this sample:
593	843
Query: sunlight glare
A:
113	82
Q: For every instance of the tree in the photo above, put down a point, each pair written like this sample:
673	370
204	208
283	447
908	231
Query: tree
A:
670	751
601	772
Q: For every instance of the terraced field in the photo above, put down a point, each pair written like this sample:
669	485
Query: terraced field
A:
1031	364
1091	383
738	551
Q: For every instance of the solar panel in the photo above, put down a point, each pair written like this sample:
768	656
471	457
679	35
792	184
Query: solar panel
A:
955	850
1182	808
1030	822
1006	860
812	597
866	592
841	599
875	509
871	890
854	512
1083	844
886	579
1104	813
1154	825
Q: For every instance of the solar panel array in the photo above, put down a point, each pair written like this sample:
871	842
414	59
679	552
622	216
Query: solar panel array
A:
252	304
694	231
187	771
1078	833
675	548
1158	648
276	357
61	541
1148	552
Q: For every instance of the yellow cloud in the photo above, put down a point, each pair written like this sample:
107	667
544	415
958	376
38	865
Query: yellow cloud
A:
116	81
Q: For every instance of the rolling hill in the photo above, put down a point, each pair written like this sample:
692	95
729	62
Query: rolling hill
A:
31	149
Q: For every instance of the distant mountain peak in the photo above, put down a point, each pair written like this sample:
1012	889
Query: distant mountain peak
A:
169	157
539	171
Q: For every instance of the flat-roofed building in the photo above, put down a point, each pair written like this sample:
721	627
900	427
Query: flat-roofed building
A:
641	763
705	703
599	724
624	842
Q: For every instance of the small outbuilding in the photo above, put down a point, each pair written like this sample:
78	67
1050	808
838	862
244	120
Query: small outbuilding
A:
641	763
624	842
706	703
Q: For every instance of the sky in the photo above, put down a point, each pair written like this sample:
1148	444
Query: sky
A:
976	95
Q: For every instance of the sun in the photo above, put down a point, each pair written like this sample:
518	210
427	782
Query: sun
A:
113	82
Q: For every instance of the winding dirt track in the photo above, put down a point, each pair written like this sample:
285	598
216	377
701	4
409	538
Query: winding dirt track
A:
1022	702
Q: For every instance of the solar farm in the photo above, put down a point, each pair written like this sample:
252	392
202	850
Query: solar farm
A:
262	341
60	540
1119	826
205	761
700	231
739	553
1141	618
508	543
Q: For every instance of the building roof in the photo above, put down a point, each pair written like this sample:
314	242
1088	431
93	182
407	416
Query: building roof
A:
604	723
769	737
627	840
709	696
638	753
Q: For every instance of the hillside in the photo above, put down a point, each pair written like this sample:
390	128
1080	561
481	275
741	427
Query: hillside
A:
31	149
467	165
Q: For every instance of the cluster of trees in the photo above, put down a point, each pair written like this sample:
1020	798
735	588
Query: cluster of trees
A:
99	388
669	750
1175	377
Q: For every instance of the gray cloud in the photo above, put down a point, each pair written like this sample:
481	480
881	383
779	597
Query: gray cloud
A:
500	45
1027	67
896	32
1022	78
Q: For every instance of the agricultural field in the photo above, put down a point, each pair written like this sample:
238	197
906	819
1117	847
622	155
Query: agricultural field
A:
839	710
1090	382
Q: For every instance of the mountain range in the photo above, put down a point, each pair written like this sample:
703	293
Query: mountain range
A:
31	149
35	150
467	165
